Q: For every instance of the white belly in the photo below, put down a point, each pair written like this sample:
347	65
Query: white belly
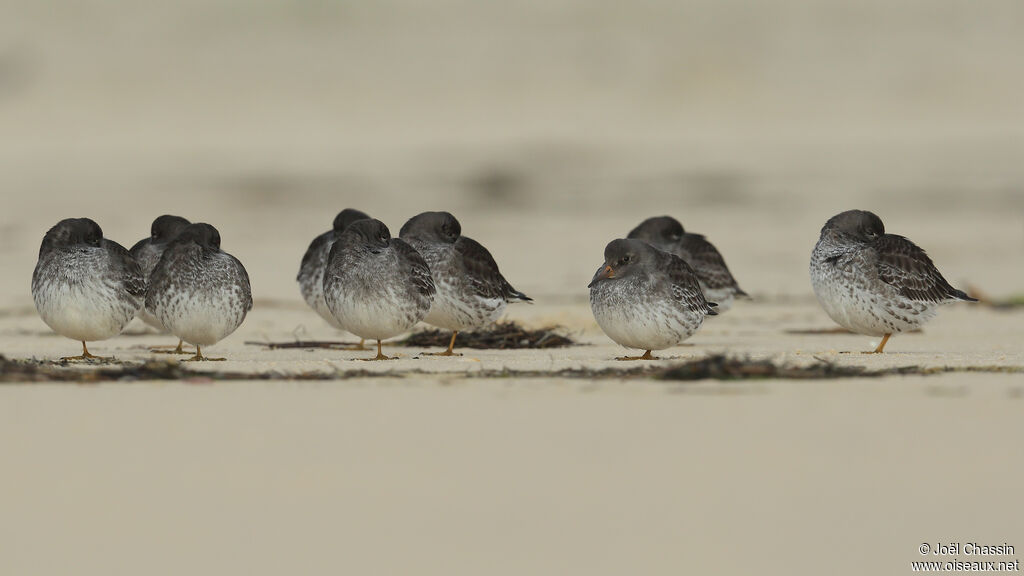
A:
645	327
86	311
200	320
862	311
374	318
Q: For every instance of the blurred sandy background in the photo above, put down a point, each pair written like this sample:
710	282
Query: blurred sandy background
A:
548	128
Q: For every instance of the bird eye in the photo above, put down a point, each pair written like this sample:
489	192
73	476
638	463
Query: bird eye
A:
625	259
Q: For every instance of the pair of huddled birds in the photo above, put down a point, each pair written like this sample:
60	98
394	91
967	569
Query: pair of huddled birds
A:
653	291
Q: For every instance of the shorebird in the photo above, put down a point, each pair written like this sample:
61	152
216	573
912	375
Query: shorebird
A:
314	261
148	252
198	291
666	233
376	286
85	287
645	298
471	292
875	283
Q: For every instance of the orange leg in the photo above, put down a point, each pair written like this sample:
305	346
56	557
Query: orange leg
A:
881	345
85	356
646	356
380	355
177	350
448	352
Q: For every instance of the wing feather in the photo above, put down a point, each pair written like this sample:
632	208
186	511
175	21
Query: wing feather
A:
908	269
707	262
477	264
684	285
421	278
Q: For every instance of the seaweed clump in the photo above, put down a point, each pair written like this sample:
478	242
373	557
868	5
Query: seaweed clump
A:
502	336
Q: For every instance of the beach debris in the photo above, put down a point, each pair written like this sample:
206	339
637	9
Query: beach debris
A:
1008	303
310	344
715	367
501	336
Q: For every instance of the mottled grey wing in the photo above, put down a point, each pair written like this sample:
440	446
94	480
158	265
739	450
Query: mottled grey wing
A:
684	285
421	278
128	271
707	262
908	269
476	263
315	247
247	287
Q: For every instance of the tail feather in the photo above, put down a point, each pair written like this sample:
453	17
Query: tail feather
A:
961	295
517	295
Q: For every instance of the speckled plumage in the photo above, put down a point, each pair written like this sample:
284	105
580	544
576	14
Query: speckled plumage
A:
471	292
376	286
314	261
149	250
667	234
85	287
875	283
645	298
199	292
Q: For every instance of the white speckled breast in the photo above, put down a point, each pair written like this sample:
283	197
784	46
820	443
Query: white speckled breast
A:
633	315
846	284
371	295
76	299
203	299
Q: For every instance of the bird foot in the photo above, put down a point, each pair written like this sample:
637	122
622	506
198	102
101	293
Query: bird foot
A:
445	353
378	357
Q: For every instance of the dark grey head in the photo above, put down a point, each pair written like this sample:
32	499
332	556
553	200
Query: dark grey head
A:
346	217
200	233
859	225
623	258
660	231
433	227
72	232
368	232
165	228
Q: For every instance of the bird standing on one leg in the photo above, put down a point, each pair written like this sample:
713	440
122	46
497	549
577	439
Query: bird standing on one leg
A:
199	292
376	286
85	287
471	292
645	298
875	283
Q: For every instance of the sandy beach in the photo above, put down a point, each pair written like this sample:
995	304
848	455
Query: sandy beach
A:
548	130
